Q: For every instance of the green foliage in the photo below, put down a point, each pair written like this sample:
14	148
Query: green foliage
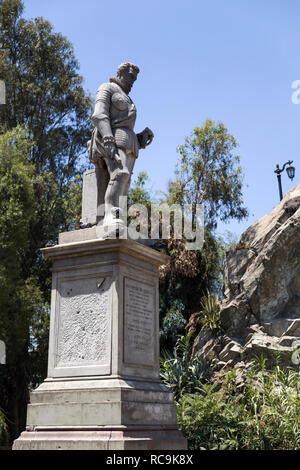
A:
210	313
38	343
20	294
193	271
40	188
16	200
181	371
172	326
16	209
71	203
244	410
208	422
44	90
138	194
209	172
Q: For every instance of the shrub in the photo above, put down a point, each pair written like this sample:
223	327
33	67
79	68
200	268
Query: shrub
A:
181	371
172	325
251	409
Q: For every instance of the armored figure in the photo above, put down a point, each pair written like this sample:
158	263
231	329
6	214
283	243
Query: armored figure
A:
114	146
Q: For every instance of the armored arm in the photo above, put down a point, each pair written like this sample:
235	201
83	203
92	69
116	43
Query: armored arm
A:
101	116
101	120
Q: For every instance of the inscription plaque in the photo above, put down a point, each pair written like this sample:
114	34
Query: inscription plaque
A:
139	323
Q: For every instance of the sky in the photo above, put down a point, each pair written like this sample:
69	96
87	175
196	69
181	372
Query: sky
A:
229	60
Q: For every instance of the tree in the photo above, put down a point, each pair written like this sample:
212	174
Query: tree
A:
44	93
138	194
19	293
189	274
217	175
208	173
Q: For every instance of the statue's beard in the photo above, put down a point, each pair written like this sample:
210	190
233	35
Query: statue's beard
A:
124	82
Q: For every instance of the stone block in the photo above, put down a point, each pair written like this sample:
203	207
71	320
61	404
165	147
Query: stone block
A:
93	191
103	389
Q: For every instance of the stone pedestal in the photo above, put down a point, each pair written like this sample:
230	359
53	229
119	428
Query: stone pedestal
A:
103	389
94	186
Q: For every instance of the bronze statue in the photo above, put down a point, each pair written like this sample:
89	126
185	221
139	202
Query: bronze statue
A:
114	146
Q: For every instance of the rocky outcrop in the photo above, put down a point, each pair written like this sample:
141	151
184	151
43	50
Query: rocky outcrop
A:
260	312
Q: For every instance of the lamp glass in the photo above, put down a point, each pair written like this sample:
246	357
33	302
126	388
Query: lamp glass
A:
291	172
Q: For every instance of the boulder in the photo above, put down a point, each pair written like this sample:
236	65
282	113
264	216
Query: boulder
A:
260	312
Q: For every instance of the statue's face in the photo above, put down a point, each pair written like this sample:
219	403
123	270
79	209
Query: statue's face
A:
129	74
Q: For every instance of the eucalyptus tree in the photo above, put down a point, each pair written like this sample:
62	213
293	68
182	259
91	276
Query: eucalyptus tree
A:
44	95
209	173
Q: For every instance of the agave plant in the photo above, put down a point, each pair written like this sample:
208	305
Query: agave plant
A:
181	371
210	313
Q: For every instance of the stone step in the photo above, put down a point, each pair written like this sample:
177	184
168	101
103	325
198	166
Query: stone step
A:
294	328
231	351
289	340
277	327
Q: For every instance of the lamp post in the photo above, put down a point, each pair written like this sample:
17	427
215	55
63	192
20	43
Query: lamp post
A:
290	172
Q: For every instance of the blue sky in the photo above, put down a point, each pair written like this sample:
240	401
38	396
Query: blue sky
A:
232	61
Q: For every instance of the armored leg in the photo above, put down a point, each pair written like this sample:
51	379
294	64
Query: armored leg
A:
120	175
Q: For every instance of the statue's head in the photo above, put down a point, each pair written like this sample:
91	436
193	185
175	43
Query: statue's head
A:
127	75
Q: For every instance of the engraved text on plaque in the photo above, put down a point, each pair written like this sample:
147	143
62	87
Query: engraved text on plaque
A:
139	322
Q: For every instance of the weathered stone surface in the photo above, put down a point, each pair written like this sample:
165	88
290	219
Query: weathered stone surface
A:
260	313
118	438
114	146
93	191
103	389
2	352
139	331
101	403
2	92
83	332
104	309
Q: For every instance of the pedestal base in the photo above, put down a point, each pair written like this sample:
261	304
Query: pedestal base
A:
73	414
103	389
125	438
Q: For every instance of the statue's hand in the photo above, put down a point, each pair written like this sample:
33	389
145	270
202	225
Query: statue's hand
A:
111	149
145	138
117	157
148	136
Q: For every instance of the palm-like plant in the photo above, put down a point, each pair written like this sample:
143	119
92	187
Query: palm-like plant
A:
210	312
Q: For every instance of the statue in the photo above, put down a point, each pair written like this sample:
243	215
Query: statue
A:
114	146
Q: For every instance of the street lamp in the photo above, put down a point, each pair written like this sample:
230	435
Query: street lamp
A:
290	172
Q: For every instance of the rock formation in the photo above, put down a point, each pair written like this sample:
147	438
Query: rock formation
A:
260	312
